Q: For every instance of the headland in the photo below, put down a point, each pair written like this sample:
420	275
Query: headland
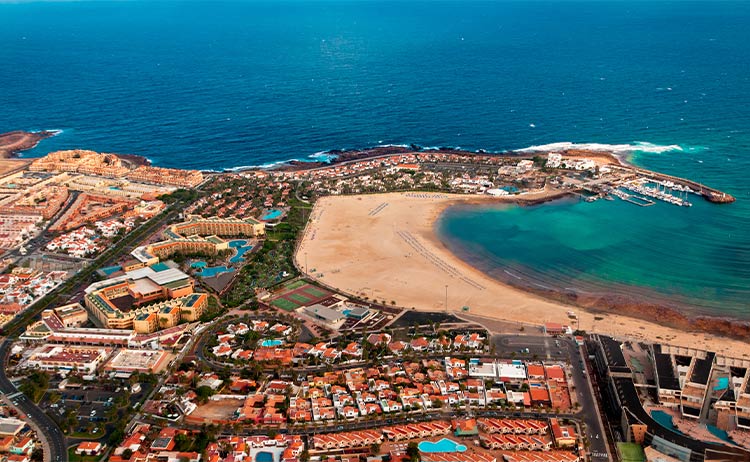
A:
11	143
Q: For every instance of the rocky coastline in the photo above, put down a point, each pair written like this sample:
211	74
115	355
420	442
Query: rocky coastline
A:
636	307
14	142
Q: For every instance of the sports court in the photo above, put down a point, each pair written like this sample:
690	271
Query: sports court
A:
296	294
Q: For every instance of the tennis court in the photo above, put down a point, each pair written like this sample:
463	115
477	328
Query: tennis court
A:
296	294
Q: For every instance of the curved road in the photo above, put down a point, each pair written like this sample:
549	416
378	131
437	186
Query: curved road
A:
58	451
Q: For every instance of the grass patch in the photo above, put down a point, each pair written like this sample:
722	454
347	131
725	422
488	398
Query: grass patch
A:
294	285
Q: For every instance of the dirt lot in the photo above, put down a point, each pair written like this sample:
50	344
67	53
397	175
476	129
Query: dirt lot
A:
217	410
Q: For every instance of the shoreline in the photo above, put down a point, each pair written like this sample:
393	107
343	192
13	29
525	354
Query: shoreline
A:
358	253
14	142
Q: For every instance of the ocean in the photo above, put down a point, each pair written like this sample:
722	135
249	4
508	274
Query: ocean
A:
221	85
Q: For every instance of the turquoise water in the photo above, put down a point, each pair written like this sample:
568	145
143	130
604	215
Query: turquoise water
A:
111	269
721	434
664	419
240	249
264	456
266	79
272	215
723	384
198	264
271	343
444	445
696	259
211	271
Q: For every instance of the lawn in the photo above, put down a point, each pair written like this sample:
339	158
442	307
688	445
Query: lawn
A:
294	285
631	452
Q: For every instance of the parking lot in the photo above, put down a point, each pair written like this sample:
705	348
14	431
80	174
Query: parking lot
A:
529	347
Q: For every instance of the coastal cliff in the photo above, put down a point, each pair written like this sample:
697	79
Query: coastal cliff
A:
11	143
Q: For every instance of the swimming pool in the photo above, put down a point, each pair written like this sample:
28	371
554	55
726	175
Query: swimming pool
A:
111	269
271	343
264	457
241	248
211	271
272	214
665	420
444	445
199	264
723	384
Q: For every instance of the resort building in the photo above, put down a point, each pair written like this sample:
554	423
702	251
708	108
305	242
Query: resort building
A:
619	389
45	201
145	300
60	357
166	176
73	315
81	161
188	237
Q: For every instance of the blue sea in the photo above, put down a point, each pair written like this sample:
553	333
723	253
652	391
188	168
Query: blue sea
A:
220	85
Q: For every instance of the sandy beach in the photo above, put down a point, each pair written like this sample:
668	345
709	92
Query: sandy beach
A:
384	247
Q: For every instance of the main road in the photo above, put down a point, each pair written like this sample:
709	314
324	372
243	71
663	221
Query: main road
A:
51	433
545	348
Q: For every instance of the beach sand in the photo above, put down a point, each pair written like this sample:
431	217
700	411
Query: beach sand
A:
385	247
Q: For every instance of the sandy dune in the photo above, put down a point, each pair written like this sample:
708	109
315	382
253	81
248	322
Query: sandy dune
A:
384	247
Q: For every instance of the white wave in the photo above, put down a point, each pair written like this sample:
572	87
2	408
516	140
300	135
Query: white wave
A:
393	146
325	156
262	166
642	146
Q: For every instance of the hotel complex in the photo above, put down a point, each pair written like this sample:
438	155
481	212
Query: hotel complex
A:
112	166
145	300
189	237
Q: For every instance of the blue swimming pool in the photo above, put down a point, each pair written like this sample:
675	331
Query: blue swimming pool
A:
211	271
664	419
444	445
111	269
198	264
241	248
721	434
264	456
272	214
271	343
723	384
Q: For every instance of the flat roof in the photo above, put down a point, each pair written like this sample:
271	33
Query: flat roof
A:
146	286
702	369
664	370
613	351
324	312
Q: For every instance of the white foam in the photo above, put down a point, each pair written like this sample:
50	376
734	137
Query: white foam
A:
324	156
642	146
393	146
264	166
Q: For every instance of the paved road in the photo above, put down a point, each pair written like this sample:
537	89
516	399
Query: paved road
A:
591	412
545	348
58	451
